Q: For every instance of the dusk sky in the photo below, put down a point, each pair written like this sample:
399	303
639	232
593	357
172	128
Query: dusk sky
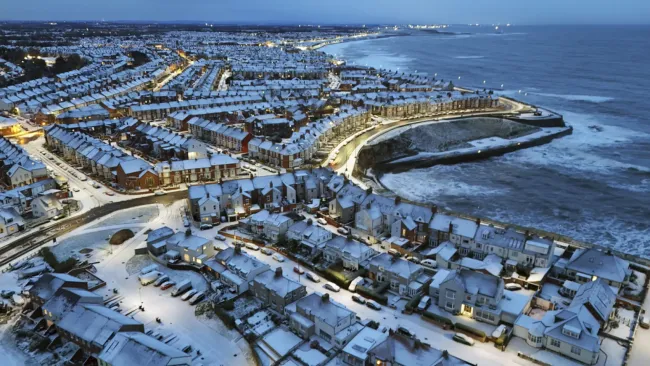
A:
336	11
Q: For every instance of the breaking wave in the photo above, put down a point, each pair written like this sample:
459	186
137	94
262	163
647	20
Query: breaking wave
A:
577	98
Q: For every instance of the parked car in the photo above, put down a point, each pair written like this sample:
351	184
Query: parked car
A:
332	287
189	294
404	331
424	303
644	322
160	280
75	189
220	237
429	263
83	178
464	339
343	231
298	270
109	193
278	257
512	287
312	277
373	305
205	226
160	193
267	251
197	298
413	259
358	299
252	246
167	285
322	221
499	331
394	253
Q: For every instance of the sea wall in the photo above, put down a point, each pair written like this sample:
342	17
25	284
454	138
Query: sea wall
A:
450	142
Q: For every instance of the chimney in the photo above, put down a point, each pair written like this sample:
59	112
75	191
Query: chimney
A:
325	297
451	227
278	272
478	221
237	249
398	199
188	232
434	209
207	194
241	190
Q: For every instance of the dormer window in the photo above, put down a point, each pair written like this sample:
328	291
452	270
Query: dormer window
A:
571	331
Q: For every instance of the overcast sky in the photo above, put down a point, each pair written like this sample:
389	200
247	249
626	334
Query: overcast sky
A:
337	11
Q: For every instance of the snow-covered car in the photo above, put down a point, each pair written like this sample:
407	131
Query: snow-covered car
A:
312	277
189	294
278	257
358	299
343	231
197	298
205	226
512	287
167	285
373	305
298	270
220	237
75	189
267	251
109	193
160	280
332	287
160	193
499	331
429	263
464	339
252	246
644	322
322	221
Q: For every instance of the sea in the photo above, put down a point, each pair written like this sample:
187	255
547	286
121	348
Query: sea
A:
594	185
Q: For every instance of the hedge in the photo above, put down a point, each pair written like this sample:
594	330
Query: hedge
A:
366	292
478	333
59	267
437	318
411	304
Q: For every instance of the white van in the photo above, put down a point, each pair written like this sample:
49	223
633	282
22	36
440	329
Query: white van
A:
354	283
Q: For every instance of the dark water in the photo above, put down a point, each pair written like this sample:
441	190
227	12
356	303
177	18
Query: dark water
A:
593	186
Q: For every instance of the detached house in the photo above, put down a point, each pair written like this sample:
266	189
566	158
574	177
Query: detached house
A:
405	277
587	265
572	332
311	237
351	253
318	314
470	293
236	268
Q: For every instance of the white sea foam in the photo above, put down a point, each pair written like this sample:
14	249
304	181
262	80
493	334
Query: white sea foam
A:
410	185
577	97
468	57
576	151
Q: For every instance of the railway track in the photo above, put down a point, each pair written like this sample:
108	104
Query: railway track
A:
37	239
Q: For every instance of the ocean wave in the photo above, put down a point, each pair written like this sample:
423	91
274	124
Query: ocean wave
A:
409	184
577	97
468	57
